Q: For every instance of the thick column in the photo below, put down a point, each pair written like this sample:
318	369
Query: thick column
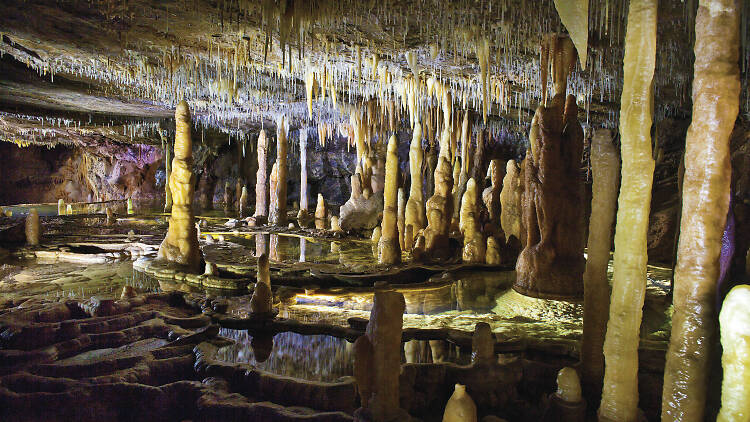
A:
415	212
303	215
261	181
510	200
474	244
389	249
735	359
605	163
705	201
33	229
181	243
277	215
620	393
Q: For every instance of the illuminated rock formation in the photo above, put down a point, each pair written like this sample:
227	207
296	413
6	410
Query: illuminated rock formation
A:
493	255
551	264
168	172
482	344
277	214
491	195
474	243
735	359
401	223
705	201
605	164
33	228
243	202
439	212
303	215
335	226
510	200
378	364
460	407
261	181
566	404
415	219
321	213
620	392
389	248
181	244
60	207
363	210
262	300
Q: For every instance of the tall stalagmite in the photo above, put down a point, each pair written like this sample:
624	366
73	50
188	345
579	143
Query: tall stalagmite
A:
439	211
510	200
620	393
181	243
551	264
474	244
261	180
33	229
168	171
277	214
605	163
415	212
705	201
389	248
303	216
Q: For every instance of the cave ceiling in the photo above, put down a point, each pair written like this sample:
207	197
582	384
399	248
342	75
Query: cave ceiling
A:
81	71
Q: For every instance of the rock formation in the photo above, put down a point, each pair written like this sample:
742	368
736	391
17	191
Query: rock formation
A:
439	212
389	247
321	213
415	219
262	300
474	243
566	404
277	214
243	202
510	200
483	344
181	244
363	210
491	195
60	207
734	320
460	407
33	228
261	181
303	215
493	255
551	264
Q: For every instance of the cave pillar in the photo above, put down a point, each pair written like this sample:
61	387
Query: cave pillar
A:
181	243
705	202
303	216
415	213
261	181
389	247
277	215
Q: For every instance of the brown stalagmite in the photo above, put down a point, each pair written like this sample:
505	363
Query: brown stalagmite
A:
277	215
261	180
181	243
705	201
33	229
551	264
474	244
559	52
620	392
510	200
389	249
439	211
262	300
493	193
605	163
415	212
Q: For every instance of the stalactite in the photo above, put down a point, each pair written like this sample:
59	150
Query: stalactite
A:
574	14
620	392
705	201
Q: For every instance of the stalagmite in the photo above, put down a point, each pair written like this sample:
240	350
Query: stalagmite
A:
551	264
303	215
389	248
510	200
33	229
415	219
705	201
439	211
335	226
605	163
491	195
261	181
168	172
68	210
379	373
277	214
735	359
559	51
228	200
131	209
181	243
321	213
482	344
262	299
460	407
620	392
401	217
60	207
243	202
474	243
574	14
566	404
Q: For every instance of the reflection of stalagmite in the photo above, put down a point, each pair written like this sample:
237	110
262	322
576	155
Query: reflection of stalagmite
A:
605	164
181	243
261	181
378	365
510	200
262	299
389	248
735	359
482	344
474	245
415	212
33	229
705	202
321	213
620	392
551	265
277	213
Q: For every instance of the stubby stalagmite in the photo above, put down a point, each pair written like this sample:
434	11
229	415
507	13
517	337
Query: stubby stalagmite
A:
551	264
181	244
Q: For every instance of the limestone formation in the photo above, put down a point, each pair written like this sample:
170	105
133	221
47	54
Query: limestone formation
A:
261	181
181	244
551	264
439	212
460	407
493	255
335	226
474	243
482	344
705	202
131	209
303	215
262	299
243	202
379	375
735	359
567	404
401	217
168	172
510	200
60	207
605	164
321	213
389	248
33	228
491	195
620	392
277	214
363	210
415	219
